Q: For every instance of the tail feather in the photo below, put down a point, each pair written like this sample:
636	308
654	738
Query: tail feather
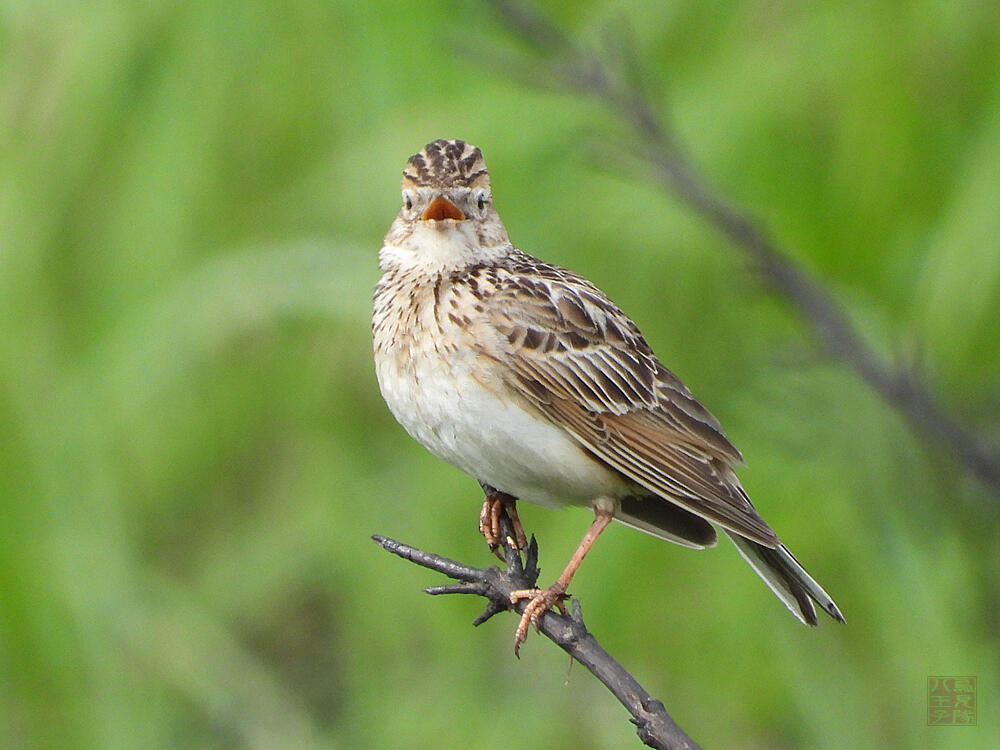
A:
666	521
787	579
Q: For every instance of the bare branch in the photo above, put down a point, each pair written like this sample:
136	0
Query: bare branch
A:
654	726
581	71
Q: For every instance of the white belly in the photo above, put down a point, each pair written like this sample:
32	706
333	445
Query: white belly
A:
490	437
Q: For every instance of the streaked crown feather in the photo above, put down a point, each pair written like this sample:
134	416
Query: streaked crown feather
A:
447	163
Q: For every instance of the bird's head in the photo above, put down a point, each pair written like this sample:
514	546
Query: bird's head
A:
448	204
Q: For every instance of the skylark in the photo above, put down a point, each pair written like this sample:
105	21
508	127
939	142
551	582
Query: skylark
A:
526	376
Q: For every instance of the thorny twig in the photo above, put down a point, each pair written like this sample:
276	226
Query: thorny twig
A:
654	725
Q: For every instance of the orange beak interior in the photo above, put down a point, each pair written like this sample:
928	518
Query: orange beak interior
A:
442	208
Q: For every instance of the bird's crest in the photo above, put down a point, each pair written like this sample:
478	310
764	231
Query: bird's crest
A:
446	164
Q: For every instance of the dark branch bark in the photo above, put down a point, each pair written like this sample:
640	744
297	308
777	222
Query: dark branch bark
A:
579	70
654	725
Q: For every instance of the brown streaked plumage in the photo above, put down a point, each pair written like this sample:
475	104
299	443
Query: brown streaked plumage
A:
528	377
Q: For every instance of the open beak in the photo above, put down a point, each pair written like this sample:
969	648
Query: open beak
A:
442	208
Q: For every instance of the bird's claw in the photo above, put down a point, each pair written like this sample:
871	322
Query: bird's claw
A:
489	521
541	601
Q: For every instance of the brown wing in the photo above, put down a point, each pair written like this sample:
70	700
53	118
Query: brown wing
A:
587	368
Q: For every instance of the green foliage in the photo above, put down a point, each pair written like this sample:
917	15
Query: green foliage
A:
193	450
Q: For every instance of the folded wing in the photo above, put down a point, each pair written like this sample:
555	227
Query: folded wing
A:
587	368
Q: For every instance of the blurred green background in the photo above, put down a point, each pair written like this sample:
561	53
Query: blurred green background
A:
193	450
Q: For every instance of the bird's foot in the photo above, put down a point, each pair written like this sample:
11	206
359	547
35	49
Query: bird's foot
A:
489	520
542	600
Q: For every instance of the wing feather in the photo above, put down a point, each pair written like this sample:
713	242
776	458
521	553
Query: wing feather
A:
587	368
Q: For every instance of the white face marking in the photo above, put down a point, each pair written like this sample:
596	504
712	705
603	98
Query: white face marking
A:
431	249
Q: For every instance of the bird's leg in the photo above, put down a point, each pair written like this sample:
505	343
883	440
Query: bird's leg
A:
494	504
542	600
489	520
520	539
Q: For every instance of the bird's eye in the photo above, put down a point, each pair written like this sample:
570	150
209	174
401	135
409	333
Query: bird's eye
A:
482	201
407	201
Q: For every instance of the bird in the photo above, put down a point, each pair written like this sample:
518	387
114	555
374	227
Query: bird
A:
527	377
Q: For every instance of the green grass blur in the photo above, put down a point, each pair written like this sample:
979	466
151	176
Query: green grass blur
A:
193	450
